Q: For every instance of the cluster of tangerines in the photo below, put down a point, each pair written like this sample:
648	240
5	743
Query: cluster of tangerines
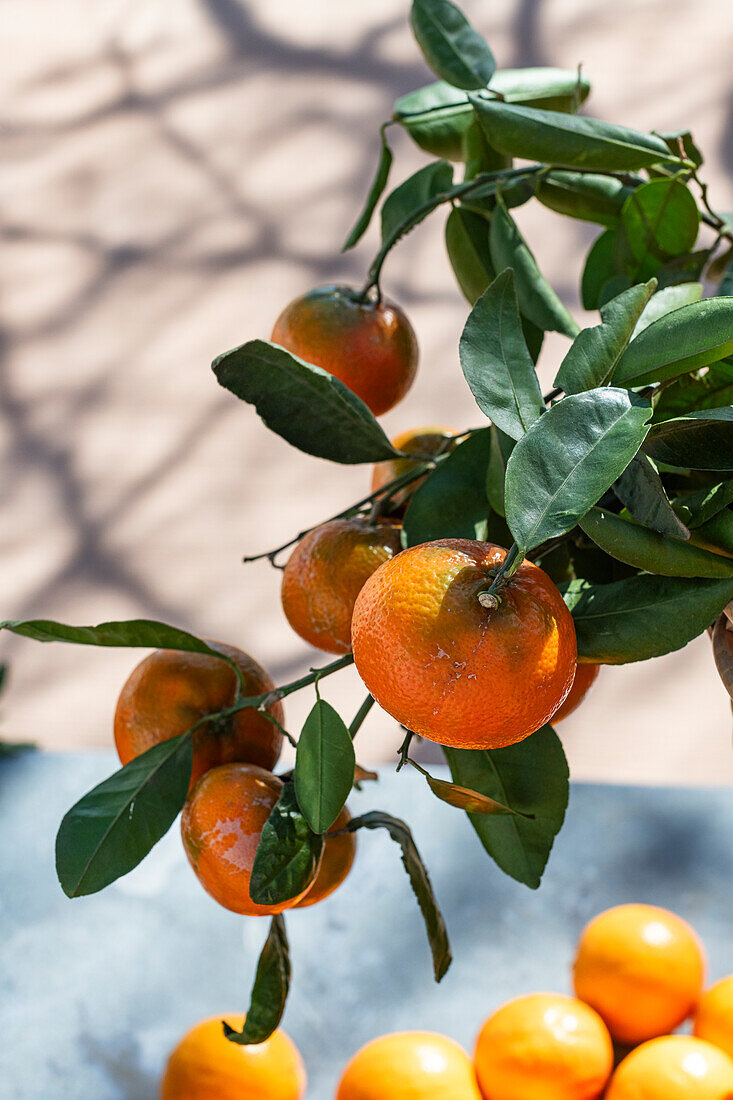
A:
638	976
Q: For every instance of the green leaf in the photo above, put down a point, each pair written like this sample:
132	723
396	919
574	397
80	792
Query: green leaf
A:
467	245
640	489
270	989
501	447
307	406
541	86
595	351
648	550
568	459
582	195
405	207
452	502
3	676
114	826
532	777
131	633
418	875
437	118
495	360
537	300
667	301
324	766
288	853
659	220
684	139
691	337
599	268
716	534
643	616
697	508
698	441
710	388
452	48
533	337
683	269
568	140
375	193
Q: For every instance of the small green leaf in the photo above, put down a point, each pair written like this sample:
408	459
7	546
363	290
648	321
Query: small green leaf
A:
659	220
648	550
307	406
640	489
541	86
324	766
582	195
716	534
683	341
467	245
698	508
595	351
568	459
537	300
680	142
408	204
418	875
132	633
599	268
452	48
667	301
114	826
532	777
288	854
495	360
698	441
473	802
452	502
437	118
375	193
643	616
683	269
501	447
567	140
270	989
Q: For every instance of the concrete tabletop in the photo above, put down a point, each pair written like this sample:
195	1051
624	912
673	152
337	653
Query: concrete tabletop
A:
94	992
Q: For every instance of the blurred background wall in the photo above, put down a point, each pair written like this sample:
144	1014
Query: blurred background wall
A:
172	174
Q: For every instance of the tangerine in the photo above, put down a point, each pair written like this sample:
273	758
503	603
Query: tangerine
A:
425	442
409	1065
673	1067
714	1016
585	677
338	856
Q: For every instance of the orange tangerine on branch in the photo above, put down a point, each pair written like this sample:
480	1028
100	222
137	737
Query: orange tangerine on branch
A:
409	1065
424	442
713	1018
585	677
338	857
673	1067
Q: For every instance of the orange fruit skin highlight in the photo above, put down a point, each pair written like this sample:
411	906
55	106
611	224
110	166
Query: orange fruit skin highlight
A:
326	572
432	440
448	669
371	347
338	857
714	1016
409	1065
673	1067
585	677
221	825
543	1046
170	690
641	968
206	1066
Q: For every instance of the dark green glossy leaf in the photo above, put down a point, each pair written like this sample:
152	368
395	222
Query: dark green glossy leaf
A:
452	48
683	269
594	353
681	143
114	826
537	300
567	140
716	534
533	337
307	406
698	441
541	86
640	489
270	989
582	195
467	244
659	220
568	459
131	633
643	616
480	157
288	854
683	341
697	508
615	286
502	446
375	193
324	766
599	268
452	502
648	550
405	207
710	388
531	777
667	301
495	360
419	881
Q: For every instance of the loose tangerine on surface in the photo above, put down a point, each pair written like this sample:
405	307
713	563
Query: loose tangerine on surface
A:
585	677
221	825
447	668
370	346
170	691
409	1065
543	1046
432	440
338	857
206	1066
325	573
641	968
713	1018
673	1067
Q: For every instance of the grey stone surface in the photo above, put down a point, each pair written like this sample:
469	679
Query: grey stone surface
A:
94	992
